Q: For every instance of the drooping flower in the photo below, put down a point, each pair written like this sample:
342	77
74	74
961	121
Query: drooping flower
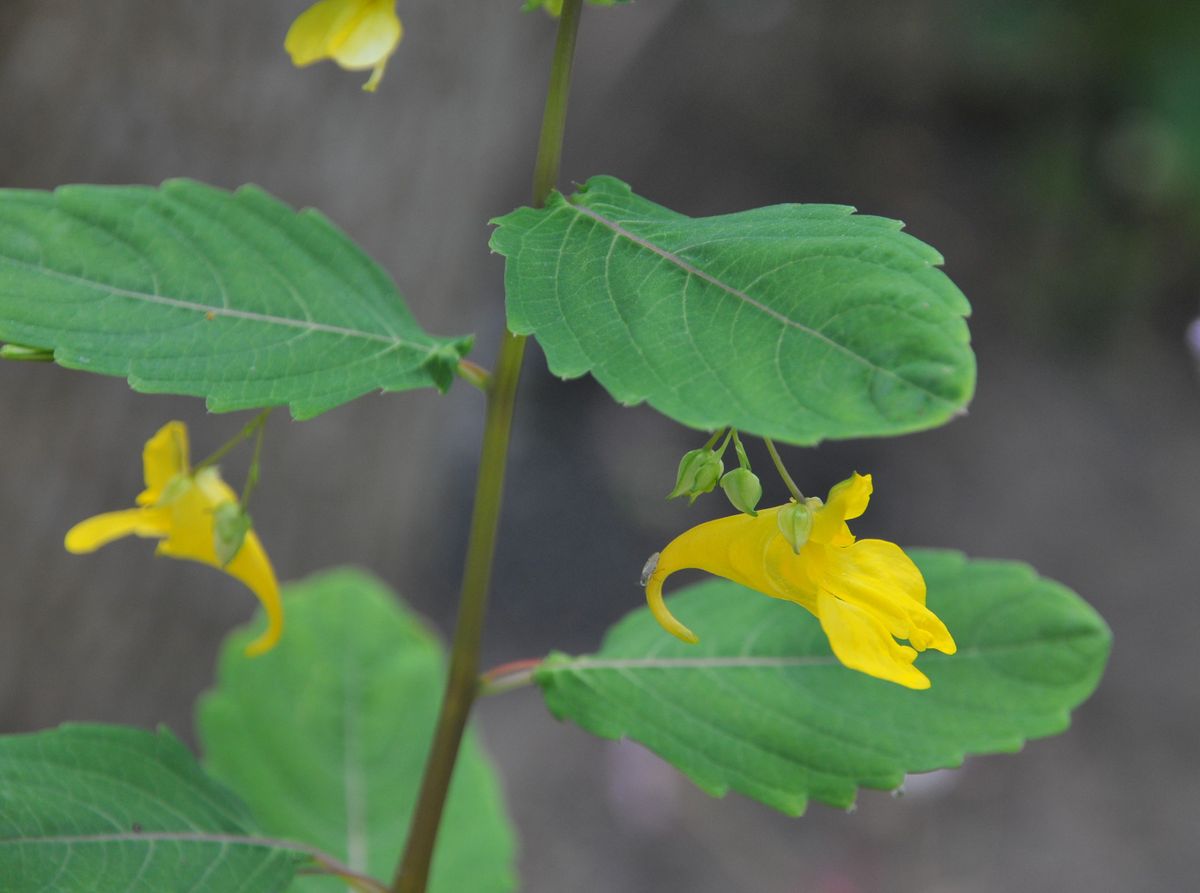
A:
356	34
179	508
867	593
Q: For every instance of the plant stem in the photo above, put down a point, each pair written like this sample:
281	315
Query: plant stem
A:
462	685
252	473
474	374
554	116
712	441
783	472
509	676
251	427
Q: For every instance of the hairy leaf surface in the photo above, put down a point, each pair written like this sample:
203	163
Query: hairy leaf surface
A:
188	289
762	707
797	322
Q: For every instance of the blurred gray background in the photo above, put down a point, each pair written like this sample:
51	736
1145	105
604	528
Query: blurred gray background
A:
1051	151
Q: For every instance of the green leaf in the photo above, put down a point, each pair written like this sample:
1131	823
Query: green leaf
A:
762	706
326	736
188	289
97	809
796	322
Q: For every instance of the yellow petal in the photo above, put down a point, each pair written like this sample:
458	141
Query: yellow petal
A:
861	642
253	568
91	534
850	497
878	577
847	499
369	38
314	33
164	458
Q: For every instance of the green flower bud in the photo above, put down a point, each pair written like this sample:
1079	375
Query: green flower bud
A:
230	526
795	523
743	489
699	471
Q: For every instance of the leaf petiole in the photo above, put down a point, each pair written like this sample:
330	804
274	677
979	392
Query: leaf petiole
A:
783	472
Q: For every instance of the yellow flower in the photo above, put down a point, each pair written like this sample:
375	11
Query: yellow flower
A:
178	508
866	593
356	34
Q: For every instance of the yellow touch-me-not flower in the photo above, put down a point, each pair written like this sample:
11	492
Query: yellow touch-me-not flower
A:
356	34
178	508
867	593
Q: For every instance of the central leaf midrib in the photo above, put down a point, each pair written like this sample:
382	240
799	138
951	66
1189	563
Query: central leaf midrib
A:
354	796
772	661
692	270
231	312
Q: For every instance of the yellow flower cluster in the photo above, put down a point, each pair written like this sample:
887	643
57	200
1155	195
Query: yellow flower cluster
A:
178	508
866	593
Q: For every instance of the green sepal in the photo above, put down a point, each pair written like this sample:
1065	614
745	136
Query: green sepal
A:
231	523
795	522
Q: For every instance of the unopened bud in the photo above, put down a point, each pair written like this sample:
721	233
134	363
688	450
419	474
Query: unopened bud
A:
699	471
743	489
230	526
795	523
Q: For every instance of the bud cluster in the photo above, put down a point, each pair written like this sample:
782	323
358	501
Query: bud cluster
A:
701	470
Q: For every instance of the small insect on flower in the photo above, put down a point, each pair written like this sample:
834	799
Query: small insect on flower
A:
180	509
356	34
867	594
648	568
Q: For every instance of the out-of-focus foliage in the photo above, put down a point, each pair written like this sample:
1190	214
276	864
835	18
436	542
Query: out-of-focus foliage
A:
326	738
1097	103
